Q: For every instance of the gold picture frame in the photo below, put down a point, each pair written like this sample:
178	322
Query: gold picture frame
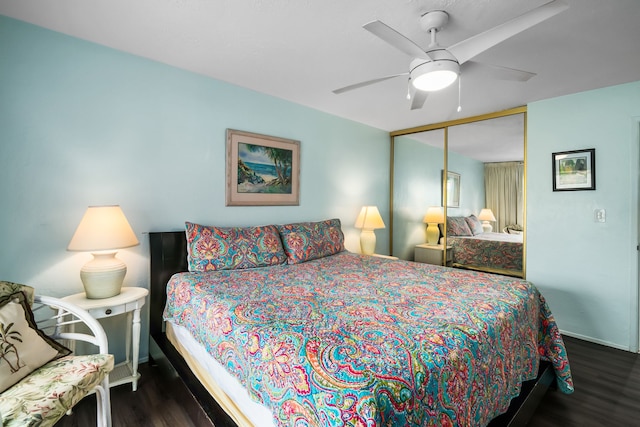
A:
262	170
453	189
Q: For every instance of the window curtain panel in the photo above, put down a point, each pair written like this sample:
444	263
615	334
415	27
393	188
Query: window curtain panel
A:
504	192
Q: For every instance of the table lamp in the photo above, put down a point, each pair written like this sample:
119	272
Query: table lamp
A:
368	220
485	216
102	231
433	217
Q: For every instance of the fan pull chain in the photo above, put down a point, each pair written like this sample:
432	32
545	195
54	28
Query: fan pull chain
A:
459	90
409	88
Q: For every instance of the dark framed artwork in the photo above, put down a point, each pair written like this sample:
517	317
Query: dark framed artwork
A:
453	189
574	170
262	170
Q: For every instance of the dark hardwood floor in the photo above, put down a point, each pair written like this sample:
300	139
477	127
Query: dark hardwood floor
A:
607	383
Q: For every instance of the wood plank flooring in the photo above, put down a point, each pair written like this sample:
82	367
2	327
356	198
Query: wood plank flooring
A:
607	383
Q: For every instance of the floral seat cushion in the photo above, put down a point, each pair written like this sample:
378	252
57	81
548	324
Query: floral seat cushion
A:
45	395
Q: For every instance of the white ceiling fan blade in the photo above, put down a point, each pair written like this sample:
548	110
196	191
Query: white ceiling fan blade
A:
367	83
467	49
395	39
497	71
418	99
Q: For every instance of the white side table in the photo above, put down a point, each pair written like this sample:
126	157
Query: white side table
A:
129	301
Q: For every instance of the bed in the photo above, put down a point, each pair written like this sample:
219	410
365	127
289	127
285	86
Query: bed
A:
348	339
473	248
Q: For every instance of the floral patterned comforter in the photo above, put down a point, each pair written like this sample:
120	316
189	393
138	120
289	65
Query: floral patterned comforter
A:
364	341
499	251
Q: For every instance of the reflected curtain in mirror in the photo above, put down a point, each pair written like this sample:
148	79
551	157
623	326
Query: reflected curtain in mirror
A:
504	192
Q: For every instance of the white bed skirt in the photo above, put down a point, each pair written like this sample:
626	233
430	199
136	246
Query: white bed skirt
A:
226	389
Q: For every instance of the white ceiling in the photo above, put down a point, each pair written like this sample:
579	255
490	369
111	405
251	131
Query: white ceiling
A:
301	50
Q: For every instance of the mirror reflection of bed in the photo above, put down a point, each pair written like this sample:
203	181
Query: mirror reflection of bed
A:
488	154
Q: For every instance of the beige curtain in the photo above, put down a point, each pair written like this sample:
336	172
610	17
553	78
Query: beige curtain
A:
504	192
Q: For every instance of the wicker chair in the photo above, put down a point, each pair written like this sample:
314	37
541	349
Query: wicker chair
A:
49	392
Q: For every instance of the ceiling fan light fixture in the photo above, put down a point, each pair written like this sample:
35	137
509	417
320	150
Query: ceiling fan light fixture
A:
434	75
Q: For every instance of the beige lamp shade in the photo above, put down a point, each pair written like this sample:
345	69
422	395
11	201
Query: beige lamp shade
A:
486	215
103	228
434	215
368	220
102	231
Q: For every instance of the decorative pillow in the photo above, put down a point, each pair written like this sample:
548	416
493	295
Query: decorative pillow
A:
9	288
474	224
24	348
230	248
305	241
457	226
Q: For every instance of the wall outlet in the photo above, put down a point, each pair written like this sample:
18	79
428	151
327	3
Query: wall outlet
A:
600	215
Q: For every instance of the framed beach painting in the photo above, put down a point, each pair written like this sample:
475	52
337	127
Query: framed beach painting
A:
574	170
262	170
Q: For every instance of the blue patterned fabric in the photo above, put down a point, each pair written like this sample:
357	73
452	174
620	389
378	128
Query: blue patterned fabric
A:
217	248
354	340
498	251
457	226
305	241
474	224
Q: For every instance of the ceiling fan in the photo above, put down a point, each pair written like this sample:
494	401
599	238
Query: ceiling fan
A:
437	67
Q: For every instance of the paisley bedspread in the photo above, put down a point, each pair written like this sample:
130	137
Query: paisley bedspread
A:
499	251
363	341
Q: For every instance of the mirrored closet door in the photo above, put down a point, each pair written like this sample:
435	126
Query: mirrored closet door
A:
467	178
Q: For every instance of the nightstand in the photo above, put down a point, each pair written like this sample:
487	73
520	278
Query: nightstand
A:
129	301
432	254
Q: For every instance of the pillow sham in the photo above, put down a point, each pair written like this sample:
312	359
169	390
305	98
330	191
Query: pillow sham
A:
306	241
24	348
457	226
229	248
474	224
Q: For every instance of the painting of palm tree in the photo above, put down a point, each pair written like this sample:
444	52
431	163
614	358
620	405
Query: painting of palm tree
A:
262	169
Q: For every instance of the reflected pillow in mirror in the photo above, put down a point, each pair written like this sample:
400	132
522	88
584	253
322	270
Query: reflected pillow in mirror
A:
474	224
457	226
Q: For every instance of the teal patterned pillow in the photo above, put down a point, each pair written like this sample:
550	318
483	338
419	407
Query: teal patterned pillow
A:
474	224
229	248
305	241
457	226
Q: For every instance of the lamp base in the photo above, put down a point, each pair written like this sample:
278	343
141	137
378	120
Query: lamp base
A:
486	227
367	242
433	234
102	277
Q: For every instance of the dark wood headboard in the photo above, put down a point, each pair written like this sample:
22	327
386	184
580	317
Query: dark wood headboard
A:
168	256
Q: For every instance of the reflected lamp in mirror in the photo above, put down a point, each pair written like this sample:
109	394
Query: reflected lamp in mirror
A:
368	220
433	217
486	215
102	231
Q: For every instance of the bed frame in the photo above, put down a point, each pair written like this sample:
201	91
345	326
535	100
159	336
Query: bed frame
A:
168	256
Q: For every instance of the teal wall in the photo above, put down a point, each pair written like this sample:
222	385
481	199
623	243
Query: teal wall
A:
587	270
417	185
81	124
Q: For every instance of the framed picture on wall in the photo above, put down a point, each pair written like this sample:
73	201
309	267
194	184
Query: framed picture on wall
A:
453	189
574	170
262	170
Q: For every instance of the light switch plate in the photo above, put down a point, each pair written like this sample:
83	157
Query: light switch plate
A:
600	215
